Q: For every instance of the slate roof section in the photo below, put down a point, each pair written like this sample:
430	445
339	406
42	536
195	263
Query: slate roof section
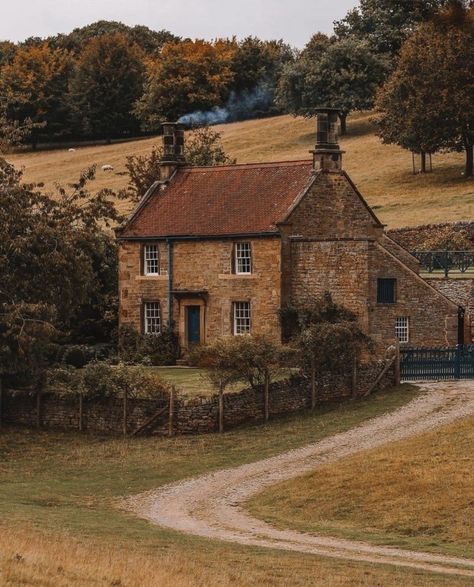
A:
221	201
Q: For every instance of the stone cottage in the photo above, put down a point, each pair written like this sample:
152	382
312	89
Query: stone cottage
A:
218	251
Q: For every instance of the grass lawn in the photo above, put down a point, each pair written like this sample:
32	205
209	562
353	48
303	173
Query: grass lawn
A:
418	493
192	381
383	173
60	523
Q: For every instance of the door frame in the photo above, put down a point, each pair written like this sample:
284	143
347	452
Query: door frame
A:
183	317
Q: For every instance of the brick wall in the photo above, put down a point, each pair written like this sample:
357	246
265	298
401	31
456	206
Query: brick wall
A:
192	416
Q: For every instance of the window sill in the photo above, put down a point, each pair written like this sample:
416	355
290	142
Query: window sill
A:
151	277
237	276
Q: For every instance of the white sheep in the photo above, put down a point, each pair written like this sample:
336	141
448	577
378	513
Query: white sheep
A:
72	150
107	168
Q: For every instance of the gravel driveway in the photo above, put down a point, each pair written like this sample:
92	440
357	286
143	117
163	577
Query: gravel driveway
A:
213	505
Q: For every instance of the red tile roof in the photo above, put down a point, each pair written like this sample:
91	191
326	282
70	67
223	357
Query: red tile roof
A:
225	200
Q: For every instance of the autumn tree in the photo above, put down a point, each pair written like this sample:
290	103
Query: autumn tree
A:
150	41
33	85
188	76
427	103
342	74
203	147
107	81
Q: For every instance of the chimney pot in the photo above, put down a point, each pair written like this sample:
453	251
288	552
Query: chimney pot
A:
173	149
327	156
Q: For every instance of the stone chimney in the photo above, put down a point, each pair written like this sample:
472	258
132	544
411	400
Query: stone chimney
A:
327	156
173	149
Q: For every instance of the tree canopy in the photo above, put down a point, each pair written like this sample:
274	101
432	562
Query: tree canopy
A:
342	74
50	262
107	81
385	24
427	103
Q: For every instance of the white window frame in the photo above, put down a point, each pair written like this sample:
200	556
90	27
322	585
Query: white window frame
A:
243	258
402	329
152	318
151	259
242	318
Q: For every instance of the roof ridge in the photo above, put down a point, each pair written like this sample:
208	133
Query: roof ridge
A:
292	163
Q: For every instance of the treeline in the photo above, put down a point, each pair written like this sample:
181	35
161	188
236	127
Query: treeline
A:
108	80
413	61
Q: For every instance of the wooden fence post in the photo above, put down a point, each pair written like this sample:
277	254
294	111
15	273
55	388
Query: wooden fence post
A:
81	407
1	401
313	385
39	390
354	377
397	366
221	408
171	413
125	411
266	397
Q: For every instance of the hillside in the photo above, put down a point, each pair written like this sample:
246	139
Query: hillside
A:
383	173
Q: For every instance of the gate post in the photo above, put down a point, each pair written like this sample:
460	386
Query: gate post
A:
457	362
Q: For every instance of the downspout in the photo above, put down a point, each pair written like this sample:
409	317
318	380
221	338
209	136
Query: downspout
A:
170	284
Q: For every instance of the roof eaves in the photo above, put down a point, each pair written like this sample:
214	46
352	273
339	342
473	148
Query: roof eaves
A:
262	234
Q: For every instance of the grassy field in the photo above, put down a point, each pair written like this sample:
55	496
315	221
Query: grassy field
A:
61	523
415	494
383	173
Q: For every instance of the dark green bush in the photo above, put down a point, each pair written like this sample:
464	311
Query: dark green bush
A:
157	350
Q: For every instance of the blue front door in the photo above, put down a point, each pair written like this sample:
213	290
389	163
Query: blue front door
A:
194	324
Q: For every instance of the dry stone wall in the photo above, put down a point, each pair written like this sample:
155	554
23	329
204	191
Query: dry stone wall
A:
191	416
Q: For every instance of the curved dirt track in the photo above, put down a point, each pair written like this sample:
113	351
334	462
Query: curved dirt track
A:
212	505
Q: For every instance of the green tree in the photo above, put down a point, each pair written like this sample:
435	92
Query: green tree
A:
106	83
33	86
203	147
48	249
342	74
385	24
427	102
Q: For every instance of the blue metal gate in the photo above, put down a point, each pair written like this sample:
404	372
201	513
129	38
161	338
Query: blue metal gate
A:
437	363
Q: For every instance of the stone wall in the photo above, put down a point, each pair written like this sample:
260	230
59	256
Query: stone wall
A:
460	291
191	416
204	267
433	319
62	412
413	238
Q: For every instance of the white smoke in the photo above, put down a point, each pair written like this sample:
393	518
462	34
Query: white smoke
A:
238	107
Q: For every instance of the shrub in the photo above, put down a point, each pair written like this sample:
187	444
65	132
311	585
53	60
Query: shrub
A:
100	380
256	359
150	349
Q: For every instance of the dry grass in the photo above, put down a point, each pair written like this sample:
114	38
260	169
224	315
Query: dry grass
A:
382	172
37	559
58	509
417	493
34	558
